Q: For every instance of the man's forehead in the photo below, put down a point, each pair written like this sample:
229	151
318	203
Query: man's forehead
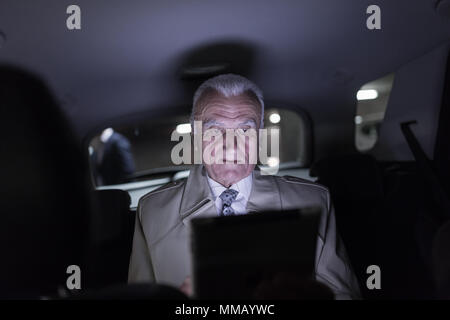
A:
230	112
222	117
230	109
220	122
218	100
243	98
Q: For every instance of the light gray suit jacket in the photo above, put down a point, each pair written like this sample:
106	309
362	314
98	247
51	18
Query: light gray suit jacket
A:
161	248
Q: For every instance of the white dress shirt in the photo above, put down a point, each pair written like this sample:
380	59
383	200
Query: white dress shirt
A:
239	205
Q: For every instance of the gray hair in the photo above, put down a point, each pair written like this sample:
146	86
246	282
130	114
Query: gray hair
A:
228	85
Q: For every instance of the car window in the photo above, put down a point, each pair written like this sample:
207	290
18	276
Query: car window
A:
373	98
142	152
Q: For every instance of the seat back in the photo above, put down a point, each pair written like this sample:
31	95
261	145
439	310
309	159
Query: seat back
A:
380	213
44	200
441	259
111	238
356	190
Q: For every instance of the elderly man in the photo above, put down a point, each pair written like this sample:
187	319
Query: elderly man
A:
161	247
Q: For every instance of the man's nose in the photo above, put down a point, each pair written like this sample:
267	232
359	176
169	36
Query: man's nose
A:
229	147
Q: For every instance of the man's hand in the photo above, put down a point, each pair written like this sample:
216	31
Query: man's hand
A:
186	286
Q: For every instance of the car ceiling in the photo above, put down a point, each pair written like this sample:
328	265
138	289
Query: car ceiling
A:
127	57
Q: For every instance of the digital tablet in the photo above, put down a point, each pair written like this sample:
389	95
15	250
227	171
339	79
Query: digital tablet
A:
231	255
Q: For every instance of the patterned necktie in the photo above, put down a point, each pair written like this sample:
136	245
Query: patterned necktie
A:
228	196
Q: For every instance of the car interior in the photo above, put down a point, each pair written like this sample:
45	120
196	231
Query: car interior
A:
88	114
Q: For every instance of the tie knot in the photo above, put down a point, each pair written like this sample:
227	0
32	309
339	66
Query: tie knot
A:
228	196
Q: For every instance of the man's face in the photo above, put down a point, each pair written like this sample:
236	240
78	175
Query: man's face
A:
221	113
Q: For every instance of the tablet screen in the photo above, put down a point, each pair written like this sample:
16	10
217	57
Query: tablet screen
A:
232	255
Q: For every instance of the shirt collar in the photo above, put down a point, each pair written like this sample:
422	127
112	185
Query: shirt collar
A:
243	186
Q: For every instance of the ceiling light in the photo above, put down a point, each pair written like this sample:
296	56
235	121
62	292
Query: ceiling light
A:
369	94
184	128
274	118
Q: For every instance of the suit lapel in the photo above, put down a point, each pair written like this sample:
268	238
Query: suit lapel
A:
264	195
197	200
